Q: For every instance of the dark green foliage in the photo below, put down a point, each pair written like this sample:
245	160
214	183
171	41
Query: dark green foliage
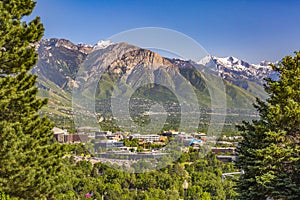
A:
30	164
5	197
269	153
203	176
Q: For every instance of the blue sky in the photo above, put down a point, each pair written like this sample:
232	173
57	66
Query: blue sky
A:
251	30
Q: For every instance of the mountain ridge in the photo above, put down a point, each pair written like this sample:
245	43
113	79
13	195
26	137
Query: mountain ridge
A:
60	60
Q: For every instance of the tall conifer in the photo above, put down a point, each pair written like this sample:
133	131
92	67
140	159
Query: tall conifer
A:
30	163
269	153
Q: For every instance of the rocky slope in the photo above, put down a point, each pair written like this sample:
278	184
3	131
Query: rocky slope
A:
63	66
233	68
241	73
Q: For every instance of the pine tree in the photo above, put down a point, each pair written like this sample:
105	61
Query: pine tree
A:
269	153
30	164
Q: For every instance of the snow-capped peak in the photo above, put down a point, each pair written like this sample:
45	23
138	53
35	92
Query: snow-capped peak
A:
232	63
264	63
229	60
231	66
103	44
205	60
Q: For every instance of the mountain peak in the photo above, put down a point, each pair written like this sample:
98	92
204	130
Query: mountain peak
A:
264	63
103	44
140	57
232	59
64	43
233	68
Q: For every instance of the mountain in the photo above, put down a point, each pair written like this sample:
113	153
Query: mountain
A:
106	65
59	60
241	73
58	63
231	67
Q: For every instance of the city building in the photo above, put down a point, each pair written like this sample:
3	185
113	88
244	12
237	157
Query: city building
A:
108	144
145	138
62	136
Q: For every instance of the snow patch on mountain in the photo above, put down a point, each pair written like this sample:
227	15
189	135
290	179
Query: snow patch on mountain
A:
233	67
103	44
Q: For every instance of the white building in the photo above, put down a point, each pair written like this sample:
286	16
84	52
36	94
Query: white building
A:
145	138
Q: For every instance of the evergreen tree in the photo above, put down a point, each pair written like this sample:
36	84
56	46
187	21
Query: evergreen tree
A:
269	153
4	196
30	163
